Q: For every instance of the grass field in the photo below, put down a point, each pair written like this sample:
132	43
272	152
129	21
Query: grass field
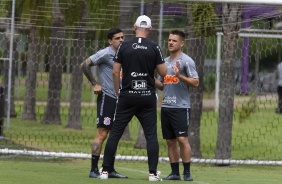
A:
26	170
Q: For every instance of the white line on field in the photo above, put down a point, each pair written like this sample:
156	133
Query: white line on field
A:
146	172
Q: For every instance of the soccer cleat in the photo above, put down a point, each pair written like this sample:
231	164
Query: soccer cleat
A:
94	174
115	174
172	177
188	177
153	177
104	175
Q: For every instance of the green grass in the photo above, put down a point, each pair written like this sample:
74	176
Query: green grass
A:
258	137
26	170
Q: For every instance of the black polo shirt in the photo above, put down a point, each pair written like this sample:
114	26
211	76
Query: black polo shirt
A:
138	58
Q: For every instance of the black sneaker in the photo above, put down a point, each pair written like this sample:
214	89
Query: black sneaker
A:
94	174
172	177
188	177
115	174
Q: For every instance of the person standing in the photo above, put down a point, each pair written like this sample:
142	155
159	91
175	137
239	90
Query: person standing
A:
279	87
138	59
175	110
106	100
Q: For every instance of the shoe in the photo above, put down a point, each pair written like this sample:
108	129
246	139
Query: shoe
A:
94	174
153	177
188	177
172	177
104	175
115	174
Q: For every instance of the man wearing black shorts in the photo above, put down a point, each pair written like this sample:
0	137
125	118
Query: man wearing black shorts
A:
106	100
175	111
137	58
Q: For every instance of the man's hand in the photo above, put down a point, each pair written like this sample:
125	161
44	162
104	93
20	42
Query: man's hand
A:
97	89
176	69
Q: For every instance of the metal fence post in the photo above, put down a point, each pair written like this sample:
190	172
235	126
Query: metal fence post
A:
2	111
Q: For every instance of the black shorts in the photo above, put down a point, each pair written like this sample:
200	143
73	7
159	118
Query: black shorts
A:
106	107
175	122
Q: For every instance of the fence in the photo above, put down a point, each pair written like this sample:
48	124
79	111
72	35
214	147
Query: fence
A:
45	75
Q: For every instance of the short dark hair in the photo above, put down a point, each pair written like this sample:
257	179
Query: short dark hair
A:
112	32
179	33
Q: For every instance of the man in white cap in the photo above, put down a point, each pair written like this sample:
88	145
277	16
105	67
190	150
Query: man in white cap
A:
138	59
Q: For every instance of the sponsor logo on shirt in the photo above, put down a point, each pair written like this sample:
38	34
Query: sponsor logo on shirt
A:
107	121
142	93
136	46
139	84
169	100
135	74
171	79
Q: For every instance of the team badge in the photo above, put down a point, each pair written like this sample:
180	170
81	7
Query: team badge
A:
107	121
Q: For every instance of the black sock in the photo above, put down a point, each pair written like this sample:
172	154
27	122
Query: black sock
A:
186	167
175	168
94	162
153	172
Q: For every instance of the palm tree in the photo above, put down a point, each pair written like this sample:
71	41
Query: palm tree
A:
126	24
29	112
231	14
201	23
153	13
52	112
74	120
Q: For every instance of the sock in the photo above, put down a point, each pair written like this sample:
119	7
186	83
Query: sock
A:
153	172
175	168
94	162
186	166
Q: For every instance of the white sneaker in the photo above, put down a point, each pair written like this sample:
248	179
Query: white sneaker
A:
153	177
104	175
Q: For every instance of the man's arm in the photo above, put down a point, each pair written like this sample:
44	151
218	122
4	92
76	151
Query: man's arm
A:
162	69
85	66
193	82
159	84
116	76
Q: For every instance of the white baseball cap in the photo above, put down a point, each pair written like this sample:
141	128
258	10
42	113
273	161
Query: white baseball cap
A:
143	18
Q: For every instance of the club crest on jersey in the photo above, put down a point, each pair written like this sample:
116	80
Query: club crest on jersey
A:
107	121
171	79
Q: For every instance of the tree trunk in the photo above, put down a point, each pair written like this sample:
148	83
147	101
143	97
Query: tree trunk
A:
196	50
153	11
126	24
141	142
52	112
74	120
231	23
30	84
125	19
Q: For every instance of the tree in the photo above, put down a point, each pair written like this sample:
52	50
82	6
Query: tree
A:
126	24
77	11
29	112
152	12
200	18
231	14
52	112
